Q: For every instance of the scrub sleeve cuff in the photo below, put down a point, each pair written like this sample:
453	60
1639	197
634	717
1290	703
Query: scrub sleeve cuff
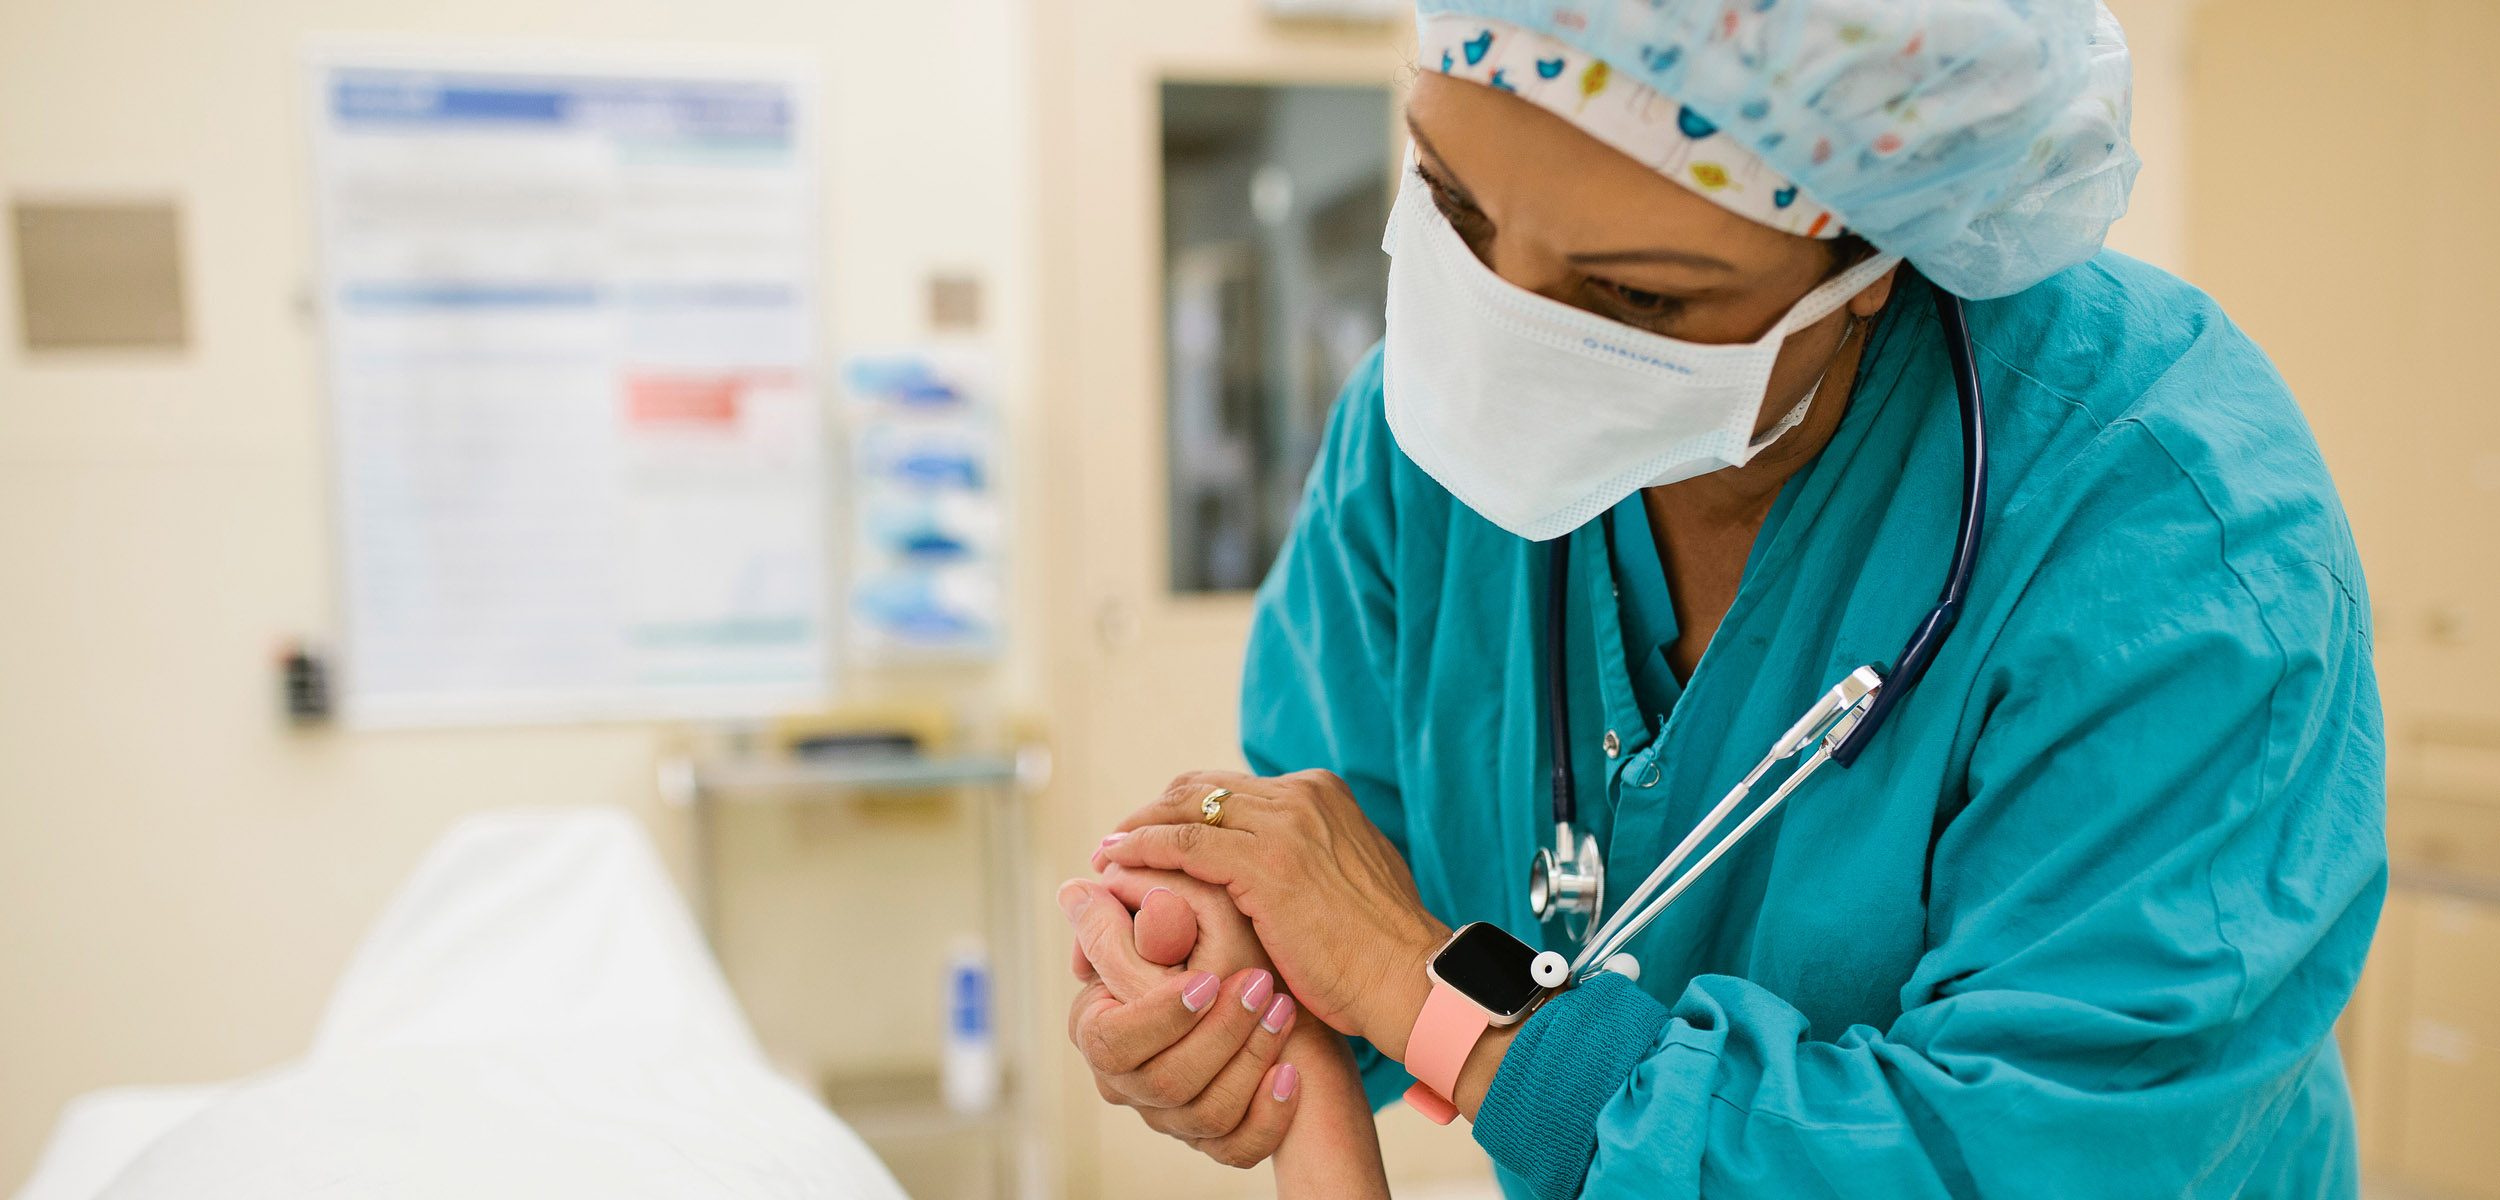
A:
1539	1119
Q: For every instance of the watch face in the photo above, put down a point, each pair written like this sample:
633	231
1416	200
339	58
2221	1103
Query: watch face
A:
1489	967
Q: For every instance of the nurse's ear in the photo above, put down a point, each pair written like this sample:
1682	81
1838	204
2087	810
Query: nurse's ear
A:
1848	250
1871	301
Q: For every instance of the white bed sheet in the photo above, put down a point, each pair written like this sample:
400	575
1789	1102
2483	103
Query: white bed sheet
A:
534	1015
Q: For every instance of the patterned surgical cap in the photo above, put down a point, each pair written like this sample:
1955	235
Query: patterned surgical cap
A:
1983	140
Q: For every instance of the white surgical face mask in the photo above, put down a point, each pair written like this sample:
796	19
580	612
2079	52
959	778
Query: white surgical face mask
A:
1540	416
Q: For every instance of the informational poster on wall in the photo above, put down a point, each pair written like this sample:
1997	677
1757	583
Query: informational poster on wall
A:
928	518
570	320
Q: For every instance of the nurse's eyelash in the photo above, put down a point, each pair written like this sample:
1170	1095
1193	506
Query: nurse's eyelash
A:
1635	306
1462	216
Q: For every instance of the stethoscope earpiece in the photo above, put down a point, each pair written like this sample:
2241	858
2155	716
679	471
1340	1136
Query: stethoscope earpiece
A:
1549	969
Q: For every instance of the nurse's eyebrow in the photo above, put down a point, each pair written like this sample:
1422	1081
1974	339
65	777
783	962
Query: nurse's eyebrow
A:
1656	255
1449	179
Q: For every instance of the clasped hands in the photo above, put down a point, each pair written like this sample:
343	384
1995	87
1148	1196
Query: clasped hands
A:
1220	962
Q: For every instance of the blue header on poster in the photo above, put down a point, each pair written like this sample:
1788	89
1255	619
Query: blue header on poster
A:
642	107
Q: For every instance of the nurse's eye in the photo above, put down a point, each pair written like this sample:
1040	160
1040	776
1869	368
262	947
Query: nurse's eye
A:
1637	306
1463	216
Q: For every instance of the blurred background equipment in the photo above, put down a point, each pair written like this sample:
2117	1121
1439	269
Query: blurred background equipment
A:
1273	198
304	685
973	1102
928	520
968	1075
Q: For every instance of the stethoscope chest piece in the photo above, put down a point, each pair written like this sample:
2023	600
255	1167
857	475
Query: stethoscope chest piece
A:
1568	880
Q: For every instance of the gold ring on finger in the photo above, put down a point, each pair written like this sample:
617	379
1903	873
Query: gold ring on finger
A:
1211	809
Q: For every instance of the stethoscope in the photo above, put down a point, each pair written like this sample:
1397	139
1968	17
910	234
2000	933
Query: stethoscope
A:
1568	879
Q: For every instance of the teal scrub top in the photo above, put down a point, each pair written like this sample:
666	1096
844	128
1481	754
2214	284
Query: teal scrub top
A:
2079	922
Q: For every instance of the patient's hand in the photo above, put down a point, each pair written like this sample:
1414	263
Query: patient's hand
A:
1179	1017
1331	1148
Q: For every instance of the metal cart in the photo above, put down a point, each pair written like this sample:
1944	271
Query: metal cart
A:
1002	785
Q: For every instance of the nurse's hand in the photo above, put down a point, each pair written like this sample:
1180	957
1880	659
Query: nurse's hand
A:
1328	895
1194	1052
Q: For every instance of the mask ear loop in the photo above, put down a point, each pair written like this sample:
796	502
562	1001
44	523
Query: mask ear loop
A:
1797	414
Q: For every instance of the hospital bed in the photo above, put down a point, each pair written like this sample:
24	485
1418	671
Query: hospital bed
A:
535	1014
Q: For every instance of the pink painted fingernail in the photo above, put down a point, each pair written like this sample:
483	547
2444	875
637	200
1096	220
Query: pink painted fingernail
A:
1287	1078
1200	992
1150	893
1279	1011
1113	840
1262	985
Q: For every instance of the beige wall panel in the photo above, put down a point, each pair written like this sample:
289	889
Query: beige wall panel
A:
2345	161
2155	227
2449	1049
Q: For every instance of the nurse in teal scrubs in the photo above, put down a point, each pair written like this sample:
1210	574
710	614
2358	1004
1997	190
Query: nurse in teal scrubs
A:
2081	919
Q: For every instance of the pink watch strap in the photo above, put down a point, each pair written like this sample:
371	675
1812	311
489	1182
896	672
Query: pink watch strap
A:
1430	1103
1445	1032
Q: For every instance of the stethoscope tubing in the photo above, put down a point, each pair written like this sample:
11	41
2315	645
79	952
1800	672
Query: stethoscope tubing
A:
1849	731
1920	651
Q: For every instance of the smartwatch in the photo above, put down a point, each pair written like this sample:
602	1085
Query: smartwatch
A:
1482	978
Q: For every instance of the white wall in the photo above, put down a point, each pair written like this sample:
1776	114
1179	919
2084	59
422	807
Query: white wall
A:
181	877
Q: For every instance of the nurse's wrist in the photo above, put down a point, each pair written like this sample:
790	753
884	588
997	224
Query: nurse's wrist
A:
1483	1063
1400	998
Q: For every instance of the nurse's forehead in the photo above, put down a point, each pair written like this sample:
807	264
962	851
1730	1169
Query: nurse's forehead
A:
1530	167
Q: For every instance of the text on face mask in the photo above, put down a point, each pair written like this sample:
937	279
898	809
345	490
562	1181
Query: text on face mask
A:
1635	355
